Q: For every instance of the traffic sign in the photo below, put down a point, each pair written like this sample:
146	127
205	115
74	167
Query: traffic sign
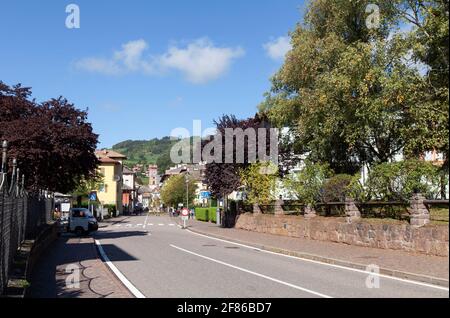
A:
93	196
184	216
205	195
185	212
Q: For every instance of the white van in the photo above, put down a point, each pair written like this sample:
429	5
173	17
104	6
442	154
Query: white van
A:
81	222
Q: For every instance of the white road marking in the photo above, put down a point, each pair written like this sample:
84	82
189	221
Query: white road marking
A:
327	264
118	225
140	224
119	275
253	273
171	224
146	218
160	224
151	224
129	225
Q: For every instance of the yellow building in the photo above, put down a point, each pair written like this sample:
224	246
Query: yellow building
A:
111	168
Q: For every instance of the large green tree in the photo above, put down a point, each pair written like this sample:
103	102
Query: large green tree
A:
429	42
353	92
174	190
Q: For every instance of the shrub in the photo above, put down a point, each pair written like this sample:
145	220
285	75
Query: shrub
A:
335	189
260	182
205	214
399	180
340	186
112	209
307	184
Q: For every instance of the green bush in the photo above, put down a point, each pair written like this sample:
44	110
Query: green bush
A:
335	188
206	214
399	180
340	186
307	184
112	209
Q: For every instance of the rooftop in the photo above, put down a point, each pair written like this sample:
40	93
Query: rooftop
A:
110	154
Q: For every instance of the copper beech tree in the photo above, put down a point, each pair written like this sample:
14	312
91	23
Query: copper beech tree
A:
52	141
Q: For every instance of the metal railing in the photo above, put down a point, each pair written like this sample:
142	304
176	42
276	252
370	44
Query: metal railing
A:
369	209
22	215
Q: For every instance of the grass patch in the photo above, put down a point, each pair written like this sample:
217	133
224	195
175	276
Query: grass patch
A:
439	216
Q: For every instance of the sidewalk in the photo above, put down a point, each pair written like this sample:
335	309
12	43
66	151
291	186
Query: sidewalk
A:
96	281
424	268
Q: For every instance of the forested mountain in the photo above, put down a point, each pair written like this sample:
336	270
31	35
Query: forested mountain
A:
155	151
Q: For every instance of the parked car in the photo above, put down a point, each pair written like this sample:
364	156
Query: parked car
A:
81	222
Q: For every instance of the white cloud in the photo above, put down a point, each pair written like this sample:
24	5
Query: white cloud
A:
128	59
277	49
200	61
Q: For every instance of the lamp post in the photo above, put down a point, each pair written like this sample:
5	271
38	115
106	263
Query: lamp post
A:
186	176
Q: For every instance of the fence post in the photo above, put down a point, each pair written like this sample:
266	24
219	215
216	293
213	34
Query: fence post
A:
310	211
419	213
256	209
351	210
279	207
4	147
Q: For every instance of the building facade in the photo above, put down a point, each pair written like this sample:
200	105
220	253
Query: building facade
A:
111	168
153	177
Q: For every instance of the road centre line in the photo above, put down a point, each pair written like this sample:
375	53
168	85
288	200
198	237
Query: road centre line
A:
325	264
146	218
253	273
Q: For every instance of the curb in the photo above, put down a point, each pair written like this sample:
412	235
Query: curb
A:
384	271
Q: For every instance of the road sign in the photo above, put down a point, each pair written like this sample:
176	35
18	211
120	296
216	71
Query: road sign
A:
205	195
184	216
93	196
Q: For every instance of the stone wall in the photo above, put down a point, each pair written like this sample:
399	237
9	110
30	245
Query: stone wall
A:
431	240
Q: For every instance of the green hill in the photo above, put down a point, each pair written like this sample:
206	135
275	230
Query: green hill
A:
155	151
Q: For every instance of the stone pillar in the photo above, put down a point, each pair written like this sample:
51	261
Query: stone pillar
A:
351	210
310	212
279	207
418	211
256	209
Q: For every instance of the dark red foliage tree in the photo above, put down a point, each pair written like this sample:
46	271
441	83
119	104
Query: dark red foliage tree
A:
223	178
52	141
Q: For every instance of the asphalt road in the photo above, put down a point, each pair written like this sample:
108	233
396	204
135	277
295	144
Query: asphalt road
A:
162	260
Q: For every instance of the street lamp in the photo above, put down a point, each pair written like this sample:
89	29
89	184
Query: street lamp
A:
186	177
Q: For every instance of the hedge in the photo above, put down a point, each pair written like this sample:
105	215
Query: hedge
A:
206	214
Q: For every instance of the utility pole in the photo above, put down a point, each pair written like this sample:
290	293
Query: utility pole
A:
187	189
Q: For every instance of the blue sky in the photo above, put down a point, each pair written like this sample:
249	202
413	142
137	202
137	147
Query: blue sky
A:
144	68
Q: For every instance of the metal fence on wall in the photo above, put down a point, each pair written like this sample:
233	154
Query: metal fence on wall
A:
22	215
